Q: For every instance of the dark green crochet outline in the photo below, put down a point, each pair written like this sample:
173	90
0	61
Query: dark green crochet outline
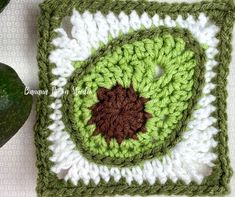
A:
222	12
175	136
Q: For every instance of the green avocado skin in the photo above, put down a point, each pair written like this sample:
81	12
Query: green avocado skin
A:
3	4
15	106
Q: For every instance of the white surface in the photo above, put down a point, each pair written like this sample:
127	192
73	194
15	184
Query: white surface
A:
18	48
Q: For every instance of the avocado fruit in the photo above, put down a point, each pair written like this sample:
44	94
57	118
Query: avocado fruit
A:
3	4
15	106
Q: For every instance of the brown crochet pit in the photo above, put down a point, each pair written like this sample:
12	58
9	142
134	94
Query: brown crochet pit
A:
119	113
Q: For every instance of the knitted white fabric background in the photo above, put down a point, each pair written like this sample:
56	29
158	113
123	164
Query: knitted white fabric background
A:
18	38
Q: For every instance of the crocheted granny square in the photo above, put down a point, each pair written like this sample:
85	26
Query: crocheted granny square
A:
136	97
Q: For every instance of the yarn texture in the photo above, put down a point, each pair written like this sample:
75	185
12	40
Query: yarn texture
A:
137	98
119	114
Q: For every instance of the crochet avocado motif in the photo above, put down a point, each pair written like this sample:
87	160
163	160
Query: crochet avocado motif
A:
134	64
153	120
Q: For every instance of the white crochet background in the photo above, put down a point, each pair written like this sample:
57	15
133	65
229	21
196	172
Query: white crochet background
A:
18	37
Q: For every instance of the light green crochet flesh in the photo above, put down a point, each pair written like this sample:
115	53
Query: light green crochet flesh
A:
138	64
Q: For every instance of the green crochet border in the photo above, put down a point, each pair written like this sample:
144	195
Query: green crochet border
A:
222	12
173	138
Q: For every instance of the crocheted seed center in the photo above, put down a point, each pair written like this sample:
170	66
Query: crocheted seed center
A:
119	113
